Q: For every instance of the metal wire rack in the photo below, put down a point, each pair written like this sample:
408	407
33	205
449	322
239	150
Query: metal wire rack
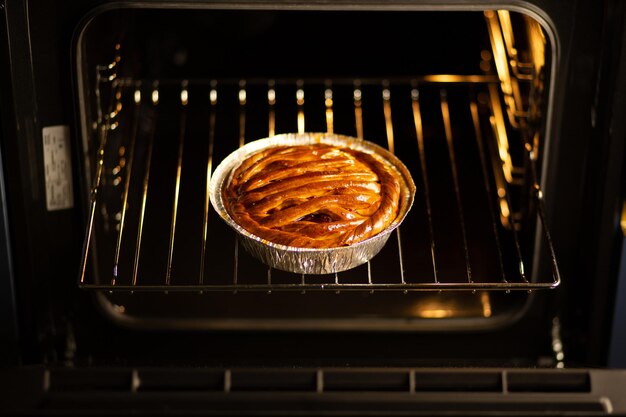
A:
473	226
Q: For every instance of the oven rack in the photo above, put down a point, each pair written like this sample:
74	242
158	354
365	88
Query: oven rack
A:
478	201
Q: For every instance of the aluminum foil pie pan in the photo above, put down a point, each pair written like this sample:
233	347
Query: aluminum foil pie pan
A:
310	260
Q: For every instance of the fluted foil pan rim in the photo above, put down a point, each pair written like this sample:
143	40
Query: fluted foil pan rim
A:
310	260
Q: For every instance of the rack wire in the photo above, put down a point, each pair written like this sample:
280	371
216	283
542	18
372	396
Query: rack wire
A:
472	228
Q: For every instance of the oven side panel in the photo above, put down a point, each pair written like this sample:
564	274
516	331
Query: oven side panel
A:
8	323
36	93
615	205
18	115
584	177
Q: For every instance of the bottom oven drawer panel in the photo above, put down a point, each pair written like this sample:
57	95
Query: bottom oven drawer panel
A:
374	391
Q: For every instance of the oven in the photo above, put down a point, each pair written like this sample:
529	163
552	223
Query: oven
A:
502	291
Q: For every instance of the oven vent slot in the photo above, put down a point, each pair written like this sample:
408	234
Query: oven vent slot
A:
459	381
180	380
471	228
272	380
548	382
366	381
70	380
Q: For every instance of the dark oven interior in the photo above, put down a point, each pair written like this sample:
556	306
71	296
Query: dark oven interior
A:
165	95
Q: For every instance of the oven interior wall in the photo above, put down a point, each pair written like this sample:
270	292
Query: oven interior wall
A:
239	44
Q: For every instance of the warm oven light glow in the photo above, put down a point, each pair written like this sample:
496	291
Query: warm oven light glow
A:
184	97
499	127
499	51
453	78
300	102
623	219
507	31
537	41
328	101
486	303
436	313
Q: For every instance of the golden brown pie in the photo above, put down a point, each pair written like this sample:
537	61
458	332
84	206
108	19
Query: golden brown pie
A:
313	196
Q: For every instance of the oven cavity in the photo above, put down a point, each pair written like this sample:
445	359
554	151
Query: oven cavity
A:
468	126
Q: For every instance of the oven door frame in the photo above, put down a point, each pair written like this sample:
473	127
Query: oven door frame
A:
27	217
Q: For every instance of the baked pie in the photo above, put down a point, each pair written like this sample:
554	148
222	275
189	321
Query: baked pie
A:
313	196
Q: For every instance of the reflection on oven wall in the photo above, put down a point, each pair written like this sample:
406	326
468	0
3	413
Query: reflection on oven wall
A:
485	122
